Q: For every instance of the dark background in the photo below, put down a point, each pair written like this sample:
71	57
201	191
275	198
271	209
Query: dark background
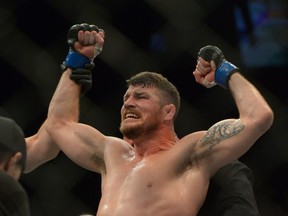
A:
158	35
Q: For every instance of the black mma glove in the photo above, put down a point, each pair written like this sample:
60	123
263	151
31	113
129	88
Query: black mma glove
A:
224	69
75	59
83	77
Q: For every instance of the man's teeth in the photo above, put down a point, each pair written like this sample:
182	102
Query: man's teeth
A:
131	115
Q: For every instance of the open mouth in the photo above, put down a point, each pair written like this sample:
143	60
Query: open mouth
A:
131	115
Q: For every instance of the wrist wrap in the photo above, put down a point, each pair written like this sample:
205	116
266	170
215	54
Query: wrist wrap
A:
224	69
223	73
75	60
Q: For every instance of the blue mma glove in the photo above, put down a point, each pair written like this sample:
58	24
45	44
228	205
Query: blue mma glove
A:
224	69
75	59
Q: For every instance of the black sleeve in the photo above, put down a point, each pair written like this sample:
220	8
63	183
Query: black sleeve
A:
235	193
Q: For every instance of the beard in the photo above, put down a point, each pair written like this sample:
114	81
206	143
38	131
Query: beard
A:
130	131
137	130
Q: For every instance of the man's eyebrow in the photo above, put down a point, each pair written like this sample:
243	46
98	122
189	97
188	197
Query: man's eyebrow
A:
125	96
139	93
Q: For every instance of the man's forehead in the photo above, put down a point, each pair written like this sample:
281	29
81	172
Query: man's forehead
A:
139	89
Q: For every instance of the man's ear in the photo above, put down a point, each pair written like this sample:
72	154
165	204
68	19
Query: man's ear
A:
12	167
169	110
17	157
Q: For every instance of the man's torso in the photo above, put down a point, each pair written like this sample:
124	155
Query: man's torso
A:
166	183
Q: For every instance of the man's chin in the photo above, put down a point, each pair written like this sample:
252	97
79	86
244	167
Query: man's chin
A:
129	131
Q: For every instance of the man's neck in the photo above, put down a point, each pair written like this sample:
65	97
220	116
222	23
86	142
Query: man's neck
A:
153	143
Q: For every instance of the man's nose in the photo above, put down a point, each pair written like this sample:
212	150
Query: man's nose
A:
129	102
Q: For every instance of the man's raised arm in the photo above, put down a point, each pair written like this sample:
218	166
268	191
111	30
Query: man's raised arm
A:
229	139
74	139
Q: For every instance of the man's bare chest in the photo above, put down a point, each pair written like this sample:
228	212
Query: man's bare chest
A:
148	184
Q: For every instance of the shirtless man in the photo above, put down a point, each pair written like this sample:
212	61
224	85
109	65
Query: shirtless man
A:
150	171
40	147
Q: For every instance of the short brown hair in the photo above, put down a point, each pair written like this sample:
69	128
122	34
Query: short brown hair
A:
153	79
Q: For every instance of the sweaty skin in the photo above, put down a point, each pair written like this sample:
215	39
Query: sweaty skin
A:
159	184
167	179
150	171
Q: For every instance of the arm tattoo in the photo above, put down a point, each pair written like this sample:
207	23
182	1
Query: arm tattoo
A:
221	131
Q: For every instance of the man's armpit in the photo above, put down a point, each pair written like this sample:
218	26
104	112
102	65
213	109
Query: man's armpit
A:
221	131
99	162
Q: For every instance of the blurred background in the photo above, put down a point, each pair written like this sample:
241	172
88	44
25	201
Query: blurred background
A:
158	35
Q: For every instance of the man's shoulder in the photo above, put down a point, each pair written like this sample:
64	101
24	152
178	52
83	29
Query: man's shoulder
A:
192	138
116	144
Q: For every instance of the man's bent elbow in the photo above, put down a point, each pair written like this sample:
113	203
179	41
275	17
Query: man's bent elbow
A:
54	125
266	119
